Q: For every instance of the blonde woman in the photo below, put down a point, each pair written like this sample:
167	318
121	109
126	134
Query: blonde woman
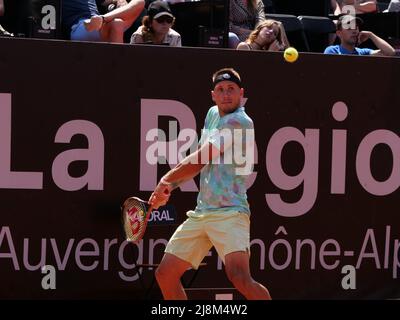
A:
270	35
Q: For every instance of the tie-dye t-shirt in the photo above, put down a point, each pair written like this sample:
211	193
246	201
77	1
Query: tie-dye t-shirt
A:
223	181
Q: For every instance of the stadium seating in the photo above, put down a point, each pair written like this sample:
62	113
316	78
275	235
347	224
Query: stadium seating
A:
294	30
317	30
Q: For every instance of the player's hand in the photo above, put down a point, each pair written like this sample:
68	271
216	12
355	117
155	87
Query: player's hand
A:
160	196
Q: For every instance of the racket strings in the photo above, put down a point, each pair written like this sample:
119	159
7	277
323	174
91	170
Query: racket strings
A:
134	219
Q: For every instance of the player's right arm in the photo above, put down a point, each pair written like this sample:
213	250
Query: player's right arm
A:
187	169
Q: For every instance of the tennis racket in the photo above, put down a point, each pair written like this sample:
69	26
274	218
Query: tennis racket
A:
135	214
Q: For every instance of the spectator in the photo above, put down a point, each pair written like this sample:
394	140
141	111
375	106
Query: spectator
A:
156	26
83	21
394	6
244	17
269	35
360	6
350	37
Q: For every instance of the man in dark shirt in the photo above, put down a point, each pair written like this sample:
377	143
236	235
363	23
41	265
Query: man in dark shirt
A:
82	20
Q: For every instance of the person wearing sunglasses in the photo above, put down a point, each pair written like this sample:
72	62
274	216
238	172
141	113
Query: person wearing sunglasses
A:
270	35
156	27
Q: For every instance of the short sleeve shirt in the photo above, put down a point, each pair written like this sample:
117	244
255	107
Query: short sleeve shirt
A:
223	181
338	49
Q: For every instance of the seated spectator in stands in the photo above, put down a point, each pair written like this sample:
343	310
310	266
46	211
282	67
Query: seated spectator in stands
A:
394	6
156	26
348	31
83	21
270	35
244	17
360	6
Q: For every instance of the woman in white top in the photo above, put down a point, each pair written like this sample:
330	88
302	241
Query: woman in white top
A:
156	26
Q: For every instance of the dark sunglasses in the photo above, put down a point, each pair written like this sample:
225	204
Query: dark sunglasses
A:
166	19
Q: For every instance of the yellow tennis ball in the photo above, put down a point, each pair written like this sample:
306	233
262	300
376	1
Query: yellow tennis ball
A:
290	54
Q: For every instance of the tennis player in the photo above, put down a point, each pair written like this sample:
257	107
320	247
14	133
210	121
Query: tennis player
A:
222	215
